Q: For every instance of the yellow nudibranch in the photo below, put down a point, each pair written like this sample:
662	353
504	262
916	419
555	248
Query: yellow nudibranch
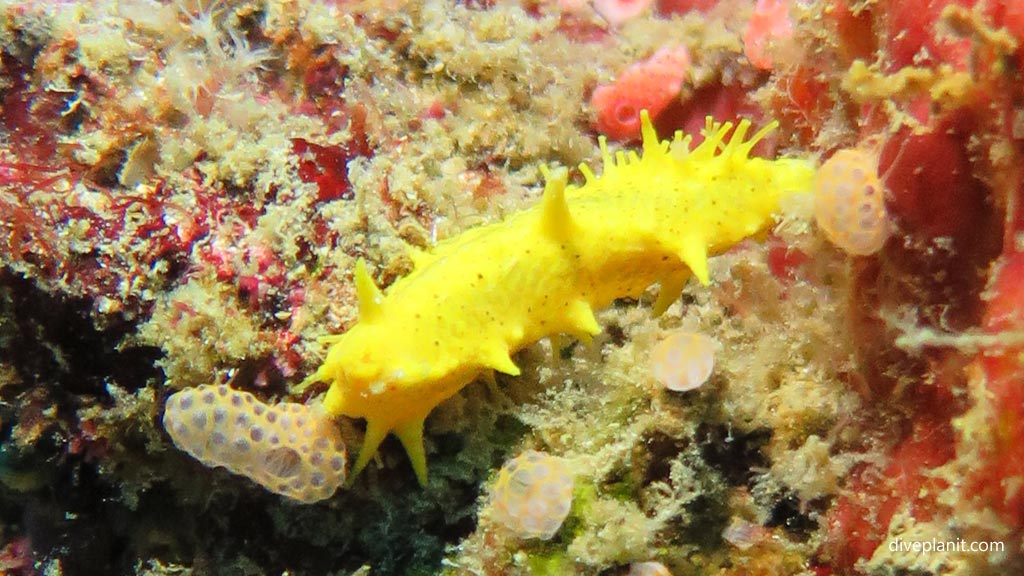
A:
475	299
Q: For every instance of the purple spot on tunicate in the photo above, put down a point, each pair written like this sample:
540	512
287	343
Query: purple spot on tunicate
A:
337	463
208	397
218	439
274	440
241	445
219	414
256	433
282	462
317	479
271	417
222	390
259	409
199	420
236	400
186	401
316	459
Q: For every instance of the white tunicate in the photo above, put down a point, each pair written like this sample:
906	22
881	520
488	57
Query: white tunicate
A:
223	427
683	360
533	494
849	204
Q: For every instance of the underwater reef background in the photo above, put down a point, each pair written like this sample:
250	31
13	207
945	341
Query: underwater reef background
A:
186	187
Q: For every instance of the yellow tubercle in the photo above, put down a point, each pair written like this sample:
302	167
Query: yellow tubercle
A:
475	299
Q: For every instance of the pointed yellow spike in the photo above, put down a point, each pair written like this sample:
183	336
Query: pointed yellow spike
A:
557	343
669	292
368	293
307	382
736	140
710	127
606	156
588	174
580	318
498	359
649	136
334	401
679	149
713	134
694	253
556	221
411	435
747	146
375	434
320	375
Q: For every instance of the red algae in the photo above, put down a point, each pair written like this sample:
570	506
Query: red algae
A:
914	36
928	203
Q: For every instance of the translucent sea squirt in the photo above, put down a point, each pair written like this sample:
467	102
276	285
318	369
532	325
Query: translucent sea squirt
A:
683	361
533	494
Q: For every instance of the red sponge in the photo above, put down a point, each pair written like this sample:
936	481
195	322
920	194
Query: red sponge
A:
652	85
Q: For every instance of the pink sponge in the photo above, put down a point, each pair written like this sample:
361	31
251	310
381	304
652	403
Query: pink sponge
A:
768	24
291	449
652	85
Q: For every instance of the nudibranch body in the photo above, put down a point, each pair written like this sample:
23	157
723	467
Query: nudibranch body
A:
475	299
